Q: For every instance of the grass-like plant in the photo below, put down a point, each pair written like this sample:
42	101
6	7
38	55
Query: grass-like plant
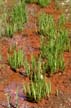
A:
36	69
61	21
44	45
18	15
63	40
36	91
54	57
44	3
31	1
15	60
45	24
53	42
33	69
12	20
27	67
3	17
54	51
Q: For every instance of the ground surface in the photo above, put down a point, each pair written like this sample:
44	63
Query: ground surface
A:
29	41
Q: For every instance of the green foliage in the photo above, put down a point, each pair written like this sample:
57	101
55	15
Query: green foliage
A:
55	57
16	59
63	40
44	3
37	88
12	20
3	17
27	67
46	24
53	42
61	21
9	30
36	69
35	91
18	16
31	1
44	45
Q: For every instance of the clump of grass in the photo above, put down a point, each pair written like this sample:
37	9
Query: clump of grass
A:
61	21
12	20
15	60
42	3
54	41
36	69
37	88
33	69
31	1
3	17
27	68
45	24
55	58
18	16
36	91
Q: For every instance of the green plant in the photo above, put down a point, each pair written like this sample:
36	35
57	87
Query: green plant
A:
55	58
9	30
6	28
63	39
35	91
3	17
54	55
61	21
27	67
31	1
12	20
44	3
36	69
33	69
16	59
53	43
37	88
18	15
44	45
46	24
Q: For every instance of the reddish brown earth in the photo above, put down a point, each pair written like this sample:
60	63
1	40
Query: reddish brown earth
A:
29	41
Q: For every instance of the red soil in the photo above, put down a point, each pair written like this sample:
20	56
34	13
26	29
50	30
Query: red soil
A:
29	41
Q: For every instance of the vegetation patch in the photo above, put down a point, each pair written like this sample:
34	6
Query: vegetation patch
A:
54	41
42	3
35	91
15	60
13	20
